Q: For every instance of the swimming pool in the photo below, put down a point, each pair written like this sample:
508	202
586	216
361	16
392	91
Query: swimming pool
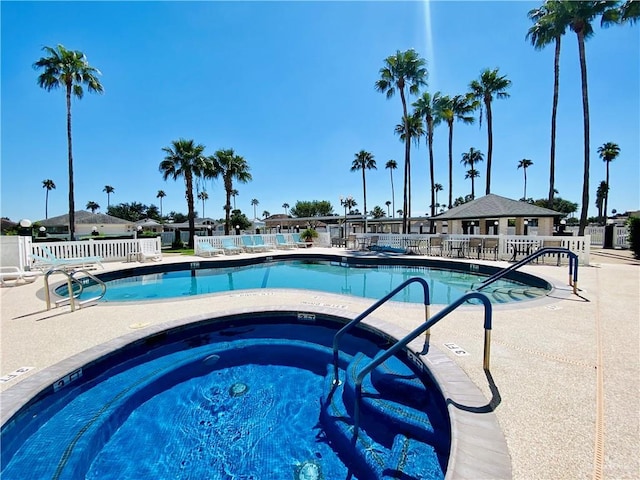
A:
372	279
246	397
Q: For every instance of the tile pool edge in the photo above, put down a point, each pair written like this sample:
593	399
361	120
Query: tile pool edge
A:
478	445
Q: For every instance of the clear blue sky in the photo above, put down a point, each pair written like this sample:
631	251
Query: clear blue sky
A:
290	87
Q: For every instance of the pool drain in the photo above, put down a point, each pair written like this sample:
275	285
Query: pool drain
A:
238	389
309	470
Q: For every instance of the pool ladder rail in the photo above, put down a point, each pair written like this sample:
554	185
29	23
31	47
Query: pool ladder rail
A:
72	281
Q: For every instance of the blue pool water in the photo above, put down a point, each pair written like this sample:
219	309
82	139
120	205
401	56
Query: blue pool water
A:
241	401
369	281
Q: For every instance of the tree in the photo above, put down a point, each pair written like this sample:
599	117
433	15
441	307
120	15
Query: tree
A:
234	194
472	173
71	70
186	159
48	185
437	188
161	195
230	167
314	208
285	206
391	165
364	161
559	205
545	31
460	108
137	211
266	214
377	212
93	206
108	189
254	203
469	159
608	153
410	129
524	164
388	204
601	194
428	106
203	195
404	72
489	85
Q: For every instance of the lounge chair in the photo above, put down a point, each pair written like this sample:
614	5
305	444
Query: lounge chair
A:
490	245
249	246
258	241
282	243
477	244
12	276
229	247
298	241
48	261
148	250
205	249
435	243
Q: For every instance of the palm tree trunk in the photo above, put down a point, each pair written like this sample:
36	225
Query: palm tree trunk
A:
364	193
473	189
431	174
585	107
405	119
451	164
606	194
554	112
191	206
46	205
489	144
393	195
72	213
524	170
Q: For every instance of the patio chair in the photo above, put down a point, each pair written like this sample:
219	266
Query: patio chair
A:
12	276
249	246
352	240
298	241
258	241
48	260
549	244
490	245
435	243
477	244
148	249
282	243
205	249
229	247
373	242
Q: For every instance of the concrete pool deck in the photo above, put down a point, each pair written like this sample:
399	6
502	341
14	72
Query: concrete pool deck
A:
565	370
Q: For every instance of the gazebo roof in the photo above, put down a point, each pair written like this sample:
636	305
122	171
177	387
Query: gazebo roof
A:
495	206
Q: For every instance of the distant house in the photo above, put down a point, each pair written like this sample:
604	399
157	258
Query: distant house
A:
87	224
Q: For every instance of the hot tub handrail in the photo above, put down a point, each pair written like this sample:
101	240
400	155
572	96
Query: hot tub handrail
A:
573	267
414	334
71	278
355	321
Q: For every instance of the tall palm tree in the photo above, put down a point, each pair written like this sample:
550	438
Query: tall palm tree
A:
490	85
410	129
545	31
428	106
234	194
203	195
524	164
460	108
388	204
391	165
255	203
108	189
48	185
93	206
404	72
472	173
364	161
71	70
186	159
601	194
437	188
469	159
230	167
161	195
286	207
608	153
266	214
578	16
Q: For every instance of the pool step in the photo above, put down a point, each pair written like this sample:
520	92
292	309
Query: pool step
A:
412	459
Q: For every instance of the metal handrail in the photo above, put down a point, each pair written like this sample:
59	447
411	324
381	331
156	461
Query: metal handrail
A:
411	336
573	267
352	323
71	278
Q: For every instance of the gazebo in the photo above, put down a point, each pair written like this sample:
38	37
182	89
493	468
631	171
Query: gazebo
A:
491	214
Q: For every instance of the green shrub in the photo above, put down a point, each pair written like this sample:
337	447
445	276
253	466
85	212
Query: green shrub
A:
634	235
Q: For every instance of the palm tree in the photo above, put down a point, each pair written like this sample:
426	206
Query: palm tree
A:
48	185
71	70
469	159
93	206
161	195
255	203
437	188
364	161
608	153
428	106
231	167
458	107
545	31
234	194
472	173
266	214
392	165
203	195
285	206
406	73
388	204
601	194
524	164
489	85
108	189
186	159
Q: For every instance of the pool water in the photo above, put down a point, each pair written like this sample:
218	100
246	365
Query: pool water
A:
248	402
445	286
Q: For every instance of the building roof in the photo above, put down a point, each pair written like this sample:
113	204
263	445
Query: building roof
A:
83	217
495	206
